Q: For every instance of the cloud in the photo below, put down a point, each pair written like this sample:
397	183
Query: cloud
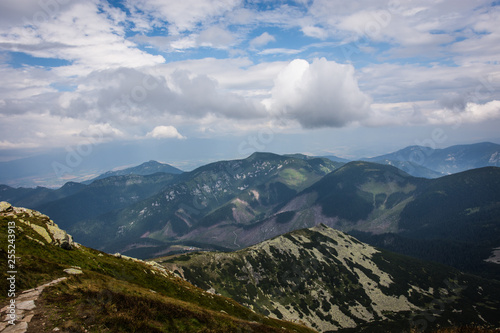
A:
165	132
89	35
216	37
261	40
321	94
181	16
102	132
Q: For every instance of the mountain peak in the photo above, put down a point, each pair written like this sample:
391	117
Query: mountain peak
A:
263	155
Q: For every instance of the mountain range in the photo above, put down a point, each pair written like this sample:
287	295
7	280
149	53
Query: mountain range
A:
309	280
324	244
52	170
331	282
229	205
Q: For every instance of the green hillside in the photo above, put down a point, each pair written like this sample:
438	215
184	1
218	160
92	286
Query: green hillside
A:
109	293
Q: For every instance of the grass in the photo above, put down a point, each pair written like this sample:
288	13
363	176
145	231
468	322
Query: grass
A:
118	294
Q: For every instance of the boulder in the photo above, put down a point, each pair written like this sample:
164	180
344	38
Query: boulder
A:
5	207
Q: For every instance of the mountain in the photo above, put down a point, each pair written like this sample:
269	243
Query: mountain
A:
332	282
75	201
453	220
147	168
329	157
32	197
105	195
412	168
199	198
336	159
79	289
448	160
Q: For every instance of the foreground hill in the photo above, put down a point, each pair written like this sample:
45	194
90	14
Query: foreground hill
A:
332	282
90	291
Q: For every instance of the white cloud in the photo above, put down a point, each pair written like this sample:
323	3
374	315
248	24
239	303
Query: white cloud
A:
216	37
183	15
165	132
313	31
279	51
262	40
102	131
321	94
88	34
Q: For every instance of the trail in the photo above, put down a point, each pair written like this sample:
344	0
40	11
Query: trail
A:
25	309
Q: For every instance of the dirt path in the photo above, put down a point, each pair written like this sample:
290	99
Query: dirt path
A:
25	309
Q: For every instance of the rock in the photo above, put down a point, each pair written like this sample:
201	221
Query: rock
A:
61	237
19	327
73	271
5	207
26	305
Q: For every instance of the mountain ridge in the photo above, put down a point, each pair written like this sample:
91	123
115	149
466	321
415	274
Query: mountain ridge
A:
337	283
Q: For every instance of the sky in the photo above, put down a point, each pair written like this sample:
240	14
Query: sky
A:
207	80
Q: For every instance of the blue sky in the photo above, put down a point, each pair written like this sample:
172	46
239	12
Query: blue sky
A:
351	78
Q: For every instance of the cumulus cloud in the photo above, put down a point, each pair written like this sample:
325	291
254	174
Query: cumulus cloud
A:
321	94
165	132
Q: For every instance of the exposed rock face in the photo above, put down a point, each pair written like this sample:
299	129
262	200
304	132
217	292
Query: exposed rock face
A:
49	231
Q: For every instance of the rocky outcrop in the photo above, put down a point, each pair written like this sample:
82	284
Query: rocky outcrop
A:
41	224
5	207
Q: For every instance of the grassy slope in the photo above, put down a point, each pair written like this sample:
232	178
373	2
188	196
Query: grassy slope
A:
118	294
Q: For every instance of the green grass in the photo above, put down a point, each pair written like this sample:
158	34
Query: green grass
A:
119	294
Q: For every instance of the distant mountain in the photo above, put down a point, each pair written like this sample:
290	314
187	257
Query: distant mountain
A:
330	157
147	168
103	196
91	291
200	198
330	281
335	158
412	168
455	218
448	160
33	197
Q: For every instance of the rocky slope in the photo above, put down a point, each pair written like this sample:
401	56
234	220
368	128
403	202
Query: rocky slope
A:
85	290
332	282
